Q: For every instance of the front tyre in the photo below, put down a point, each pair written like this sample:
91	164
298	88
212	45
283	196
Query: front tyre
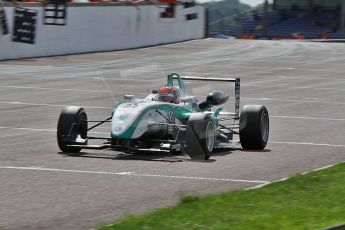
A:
200	136
72	125
254	127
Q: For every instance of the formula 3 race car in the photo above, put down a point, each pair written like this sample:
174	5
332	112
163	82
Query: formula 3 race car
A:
170	120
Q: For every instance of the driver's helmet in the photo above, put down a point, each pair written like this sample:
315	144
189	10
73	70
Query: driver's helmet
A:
169	94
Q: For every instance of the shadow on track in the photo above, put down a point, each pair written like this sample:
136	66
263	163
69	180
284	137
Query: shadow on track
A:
146	156
256	151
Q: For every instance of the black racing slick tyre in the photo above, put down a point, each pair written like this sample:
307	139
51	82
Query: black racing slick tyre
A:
254	127
72	124
200	136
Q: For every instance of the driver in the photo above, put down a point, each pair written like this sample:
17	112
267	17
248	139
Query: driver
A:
169	94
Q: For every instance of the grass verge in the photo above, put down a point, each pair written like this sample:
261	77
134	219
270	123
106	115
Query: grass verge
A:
311	201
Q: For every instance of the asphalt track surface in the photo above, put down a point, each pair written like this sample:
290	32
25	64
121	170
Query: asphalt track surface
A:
301	83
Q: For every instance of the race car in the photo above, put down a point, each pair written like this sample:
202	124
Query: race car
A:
170	120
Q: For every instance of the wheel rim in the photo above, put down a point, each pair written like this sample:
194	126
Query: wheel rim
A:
264	127
210	134
82	126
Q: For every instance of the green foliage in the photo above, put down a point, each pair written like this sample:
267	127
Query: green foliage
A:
311	201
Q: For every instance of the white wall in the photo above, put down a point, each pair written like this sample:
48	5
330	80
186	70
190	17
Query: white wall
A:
104	28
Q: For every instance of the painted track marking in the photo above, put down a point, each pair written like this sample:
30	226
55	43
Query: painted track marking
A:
73	90
132	174
39	130
286	178
309	118
306	143
271	142
30	129
17	134
295	100
99	107
49	105
287	86
103	107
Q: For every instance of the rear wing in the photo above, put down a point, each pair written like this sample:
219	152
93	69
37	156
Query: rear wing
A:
232	80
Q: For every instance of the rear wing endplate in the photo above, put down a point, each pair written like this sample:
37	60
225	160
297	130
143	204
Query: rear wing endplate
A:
233	80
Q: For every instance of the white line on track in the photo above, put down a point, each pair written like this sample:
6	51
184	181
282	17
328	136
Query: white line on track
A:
288	86
30	129
40	130
132	174
309	118
268	183
286	178
73	90
17	134
98	107
49	105
145	93
283	77
294	100
306	143
319	169
273	142
101	107
55	89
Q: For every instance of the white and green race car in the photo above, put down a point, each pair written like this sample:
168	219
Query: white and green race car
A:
170	120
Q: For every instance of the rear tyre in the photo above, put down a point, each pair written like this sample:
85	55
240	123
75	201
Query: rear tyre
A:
200	136
254	127
72	124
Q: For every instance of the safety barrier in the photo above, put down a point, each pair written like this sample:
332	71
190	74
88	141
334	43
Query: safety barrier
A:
98	27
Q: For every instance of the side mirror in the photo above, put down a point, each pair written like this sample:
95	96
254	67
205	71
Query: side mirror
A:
217	98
